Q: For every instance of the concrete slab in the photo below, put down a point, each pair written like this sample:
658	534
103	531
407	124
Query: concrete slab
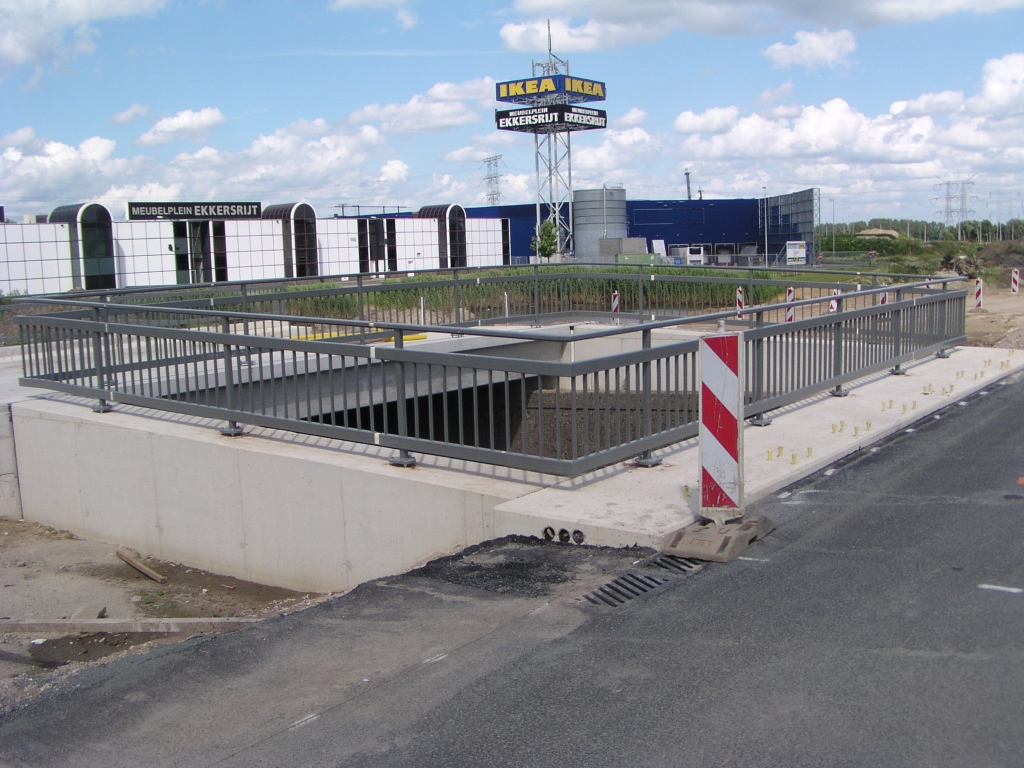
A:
624	505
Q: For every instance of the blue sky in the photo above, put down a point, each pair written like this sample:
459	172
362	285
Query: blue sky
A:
390	101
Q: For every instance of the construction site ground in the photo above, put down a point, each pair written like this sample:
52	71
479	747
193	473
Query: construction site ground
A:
52	576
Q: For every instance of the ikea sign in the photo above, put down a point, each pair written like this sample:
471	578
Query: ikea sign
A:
573	90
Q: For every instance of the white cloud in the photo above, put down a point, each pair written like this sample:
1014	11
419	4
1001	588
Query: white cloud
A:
114	197
1002	87
770	96
440	108
714	120
418	115
130	115
35	31
614	23
814	49
634	117
481	89
19	138
184	125
394	171
944	103
484	146
406	18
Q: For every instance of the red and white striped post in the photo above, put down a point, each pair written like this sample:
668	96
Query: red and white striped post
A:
978	297
790	298
721	427
1015	282
885	298
615	302
834	304
739	301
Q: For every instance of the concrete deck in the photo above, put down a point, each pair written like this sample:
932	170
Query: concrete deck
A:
624	506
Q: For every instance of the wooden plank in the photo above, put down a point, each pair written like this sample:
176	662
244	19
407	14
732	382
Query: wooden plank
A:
143	569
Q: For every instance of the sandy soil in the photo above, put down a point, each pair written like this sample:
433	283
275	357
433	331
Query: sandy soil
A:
999	323
48	575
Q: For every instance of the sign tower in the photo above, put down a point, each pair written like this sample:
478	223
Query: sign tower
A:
549	112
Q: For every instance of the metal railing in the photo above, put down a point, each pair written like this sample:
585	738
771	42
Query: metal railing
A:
536	294
534	399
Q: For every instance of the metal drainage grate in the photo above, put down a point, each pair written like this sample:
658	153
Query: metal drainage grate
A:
623	589
675	564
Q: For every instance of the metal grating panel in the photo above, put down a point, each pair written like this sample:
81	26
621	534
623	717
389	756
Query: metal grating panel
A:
623	589
675	564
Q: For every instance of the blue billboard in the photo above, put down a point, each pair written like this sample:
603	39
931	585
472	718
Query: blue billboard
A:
532	90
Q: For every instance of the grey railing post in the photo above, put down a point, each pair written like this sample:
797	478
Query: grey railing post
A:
98	343
897	336
646	459
359	298
232	429
761	419
536	295
837	350
640	293
404	458
750	290
458	314
942	331
874	284
245	297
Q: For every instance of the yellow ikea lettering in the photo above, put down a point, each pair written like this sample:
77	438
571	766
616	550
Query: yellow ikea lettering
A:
598	90
588	87
531	86
503	90
516	89
547	84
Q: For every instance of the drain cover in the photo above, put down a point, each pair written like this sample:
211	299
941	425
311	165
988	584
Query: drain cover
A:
675	564
623	589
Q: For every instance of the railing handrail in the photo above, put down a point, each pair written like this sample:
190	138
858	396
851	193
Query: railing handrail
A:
929	285
624	269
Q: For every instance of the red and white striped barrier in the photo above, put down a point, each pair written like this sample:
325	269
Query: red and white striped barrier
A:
721	427
834	304
615	301
885	298
739	301
790	311
1015	282
978	297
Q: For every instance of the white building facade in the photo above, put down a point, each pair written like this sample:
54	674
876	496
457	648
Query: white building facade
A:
82	248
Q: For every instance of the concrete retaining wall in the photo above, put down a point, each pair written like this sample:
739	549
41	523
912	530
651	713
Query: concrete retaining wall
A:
272	512
10	494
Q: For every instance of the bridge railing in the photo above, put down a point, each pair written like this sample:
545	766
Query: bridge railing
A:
557	400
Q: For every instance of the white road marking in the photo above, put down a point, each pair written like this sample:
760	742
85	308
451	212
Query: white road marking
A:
997	588
755	559
432	659
303	721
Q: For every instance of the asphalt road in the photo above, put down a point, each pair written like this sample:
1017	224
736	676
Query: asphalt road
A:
856	635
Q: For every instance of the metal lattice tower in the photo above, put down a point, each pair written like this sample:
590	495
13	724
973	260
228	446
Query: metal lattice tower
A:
553	162
550	108
950	199
965	212
493	179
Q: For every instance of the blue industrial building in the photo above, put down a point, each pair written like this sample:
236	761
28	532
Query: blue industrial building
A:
727	230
